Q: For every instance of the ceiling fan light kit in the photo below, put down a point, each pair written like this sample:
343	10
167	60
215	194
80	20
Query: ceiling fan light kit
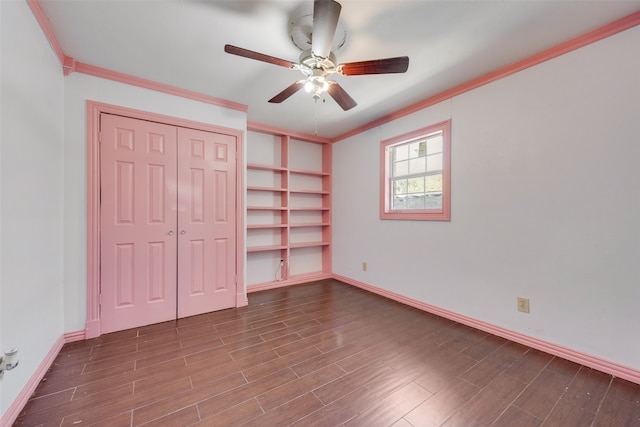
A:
319	62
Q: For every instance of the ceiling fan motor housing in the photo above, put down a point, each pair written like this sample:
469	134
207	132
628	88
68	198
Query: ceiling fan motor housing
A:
308	59
316	69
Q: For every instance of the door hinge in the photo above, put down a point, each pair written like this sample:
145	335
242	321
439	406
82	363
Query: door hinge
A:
99	137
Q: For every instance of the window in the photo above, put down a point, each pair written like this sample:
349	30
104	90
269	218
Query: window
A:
415	175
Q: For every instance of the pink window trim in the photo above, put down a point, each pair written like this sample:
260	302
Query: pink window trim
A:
443	214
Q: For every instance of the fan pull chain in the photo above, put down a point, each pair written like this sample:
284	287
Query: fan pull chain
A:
316	116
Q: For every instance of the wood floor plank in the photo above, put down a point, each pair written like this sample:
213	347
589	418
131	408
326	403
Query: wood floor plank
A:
442	405
391	409
183	417
618	412
296	388
517	417
278	363
178	401
289	412
321	354
339	411
237	395
588	388
234	416
543	393
351	381
486	406
566	414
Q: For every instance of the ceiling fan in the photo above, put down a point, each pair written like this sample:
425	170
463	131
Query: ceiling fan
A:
318	63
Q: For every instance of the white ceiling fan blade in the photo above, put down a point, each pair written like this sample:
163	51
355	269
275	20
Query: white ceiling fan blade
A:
325	20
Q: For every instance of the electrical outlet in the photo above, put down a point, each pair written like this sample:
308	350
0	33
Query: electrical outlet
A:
364	266
523	304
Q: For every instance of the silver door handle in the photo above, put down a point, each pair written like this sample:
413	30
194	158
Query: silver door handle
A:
170	232
183	232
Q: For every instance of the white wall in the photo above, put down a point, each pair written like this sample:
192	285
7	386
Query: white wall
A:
43	183
31	213
545	205
78	88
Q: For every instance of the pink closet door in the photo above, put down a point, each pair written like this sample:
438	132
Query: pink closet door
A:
206	221
138	223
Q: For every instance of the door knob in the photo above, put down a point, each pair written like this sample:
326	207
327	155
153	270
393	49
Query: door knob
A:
170	232
183	232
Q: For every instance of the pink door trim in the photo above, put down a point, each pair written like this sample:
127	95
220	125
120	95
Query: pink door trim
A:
94	109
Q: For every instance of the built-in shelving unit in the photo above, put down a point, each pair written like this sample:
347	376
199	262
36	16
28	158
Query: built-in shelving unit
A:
288	208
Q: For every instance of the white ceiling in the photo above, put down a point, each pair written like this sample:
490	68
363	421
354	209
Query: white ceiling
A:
181	43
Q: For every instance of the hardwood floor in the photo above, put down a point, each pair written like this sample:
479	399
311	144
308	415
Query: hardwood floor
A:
321	354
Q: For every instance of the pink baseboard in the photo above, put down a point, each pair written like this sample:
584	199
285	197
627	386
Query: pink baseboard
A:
92	329
10	416
241	300
612	368
75	336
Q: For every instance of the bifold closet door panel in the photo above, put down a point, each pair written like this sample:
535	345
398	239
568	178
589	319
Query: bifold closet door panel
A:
138	223
206	221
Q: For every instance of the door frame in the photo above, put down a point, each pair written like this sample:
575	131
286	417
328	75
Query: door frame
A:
94	109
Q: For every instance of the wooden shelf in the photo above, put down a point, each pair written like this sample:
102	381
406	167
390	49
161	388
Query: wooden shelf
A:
320	192
308	244
266	248
256	166
309	208
310	173
267	226
259	166
252	188
266	208
289	199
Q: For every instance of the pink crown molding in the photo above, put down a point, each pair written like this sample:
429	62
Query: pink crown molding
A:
598	34
159	87
612	368
36	9
69	65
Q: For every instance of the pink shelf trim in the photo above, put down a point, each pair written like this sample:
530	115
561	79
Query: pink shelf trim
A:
308	244
273	130
306	172
265	248
256	166
295	280
266	208
258	226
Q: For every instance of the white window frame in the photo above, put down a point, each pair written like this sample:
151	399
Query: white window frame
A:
442	214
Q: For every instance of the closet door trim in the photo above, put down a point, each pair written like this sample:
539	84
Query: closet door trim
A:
94	109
